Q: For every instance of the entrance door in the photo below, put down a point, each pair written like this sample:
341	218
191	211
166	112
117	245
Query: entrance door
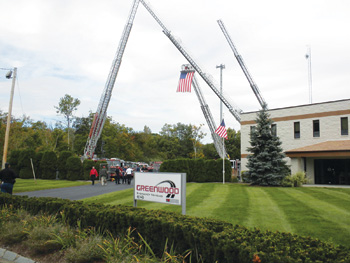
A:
332	171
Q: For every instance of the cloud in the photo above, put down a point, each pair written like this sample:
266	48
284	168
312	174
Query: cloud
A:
67	47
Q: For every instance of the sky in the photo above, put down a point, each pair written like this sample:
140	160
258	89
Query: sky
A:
67	47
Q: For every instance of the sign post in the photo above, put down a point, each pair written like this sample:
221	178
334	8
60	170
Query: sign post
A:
166	188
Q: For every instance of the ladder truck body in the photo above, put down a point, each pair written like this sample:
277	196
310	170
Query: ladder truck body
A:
234	110
101	113
206	112
242	65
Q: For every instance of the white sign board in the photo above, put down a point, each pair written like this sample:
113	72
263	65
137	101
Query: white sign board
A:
167	188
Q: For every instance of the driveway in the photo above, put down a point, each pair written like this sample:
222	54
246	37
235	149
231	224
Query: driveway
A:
79	192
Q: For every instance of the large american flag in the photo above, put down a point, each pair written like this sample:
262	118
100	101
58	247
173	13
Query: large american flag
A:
221	130
185	81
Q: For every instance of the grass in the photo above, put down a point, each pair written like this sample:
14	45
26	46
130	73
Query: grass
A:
322	213
27	185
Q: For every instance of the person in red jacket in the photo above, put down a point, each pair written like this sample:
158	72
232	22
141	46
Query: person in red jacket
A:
93	174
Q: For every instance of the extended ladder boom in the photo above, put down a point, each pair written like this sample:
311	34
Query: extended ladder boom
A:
242	65
235	111
207	113
101	113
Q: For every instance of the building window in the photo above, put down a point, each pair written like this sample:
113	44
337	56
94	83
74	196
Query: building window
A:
296	129
316	128
344	126
274	129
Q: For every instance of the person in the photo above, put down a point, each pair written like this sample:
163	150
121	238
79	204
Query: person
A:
129	172
117	175
124	175
93	175
103	174
8	179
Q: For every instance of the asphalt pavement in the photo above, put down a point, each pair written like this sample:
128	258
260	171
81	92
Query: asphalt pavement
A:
79	192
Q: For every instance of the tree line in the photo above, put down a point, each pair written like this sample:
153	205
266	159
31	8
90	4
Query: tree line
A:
173	141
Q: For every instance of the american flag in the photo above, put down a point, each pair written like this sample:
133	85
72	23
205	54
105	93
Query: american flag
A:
221	130
185	81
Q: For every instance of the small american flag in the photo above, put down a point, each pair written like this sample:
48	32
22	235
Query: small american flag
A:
221	130
185	81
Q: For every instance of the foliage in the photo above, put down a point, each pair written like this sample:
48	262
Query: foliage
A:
48	165
62	163
173	141
213	240
24	163
14	159
198	170
295	180
266	162
66	106
74	168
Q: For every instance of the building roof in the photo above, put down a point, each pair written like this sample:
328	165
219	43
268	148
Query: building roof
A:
323	149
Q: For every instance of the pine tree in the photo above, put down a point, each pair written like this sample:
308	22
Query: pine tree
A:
266	162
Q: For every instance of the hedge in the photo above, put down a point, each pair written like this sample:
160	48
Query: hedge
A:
74	168
199	170
213	240
48	165
62	164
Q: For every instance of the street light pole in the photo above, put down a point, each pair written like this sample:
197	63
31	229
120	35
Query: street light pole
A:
7	133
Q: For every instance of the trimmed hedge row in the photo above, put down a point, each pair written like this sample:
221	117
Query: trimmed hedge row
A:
199	170
213	240
46	165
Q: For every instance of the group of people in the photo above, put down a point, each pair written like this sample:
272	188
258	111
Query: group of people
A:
122	175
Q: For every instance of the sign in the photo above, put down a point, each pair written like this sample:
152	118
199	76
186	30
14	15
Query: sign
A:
166	188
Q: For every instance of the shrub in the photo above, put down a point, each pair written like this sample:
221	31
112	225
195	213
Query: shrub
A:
295	180
13	160
37	167
62	164
48	165
199	170
26	173
74	168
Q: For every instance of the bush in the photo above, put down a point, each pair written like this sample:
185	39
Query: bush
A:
209	239
199	170
62	164
26	173
13	160
74	168
295	180
48	165
37	167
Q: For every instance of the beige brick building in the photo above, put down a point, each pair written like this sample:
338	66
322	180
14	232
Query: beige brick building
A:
315	138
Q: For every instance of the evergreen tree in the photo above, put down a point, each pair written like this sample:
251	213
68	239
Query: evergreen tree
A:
266	162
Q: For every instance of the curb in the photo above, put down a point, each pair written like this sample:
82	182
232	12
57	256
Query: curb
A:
13	257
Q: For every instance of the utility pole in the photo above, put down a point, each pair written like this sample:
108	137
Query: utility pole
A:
7	133
222	66
308	57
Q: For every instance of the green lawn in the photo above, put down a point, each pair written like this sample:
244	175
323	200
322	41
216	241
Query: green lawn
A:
26	185
323	213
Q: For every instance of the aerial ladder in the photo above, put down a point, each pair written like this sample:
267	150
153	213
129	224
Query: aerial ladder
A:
234	110
101	113
219	146
242	65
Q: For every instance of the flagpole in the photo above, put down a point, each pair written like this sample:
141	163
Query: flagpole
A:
223	161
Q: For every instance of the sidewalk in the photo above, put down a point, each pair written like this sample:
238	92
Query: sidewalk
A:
7	256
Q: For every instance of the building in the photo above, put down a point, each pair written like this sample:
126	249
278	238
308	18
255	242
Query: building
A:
315	139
